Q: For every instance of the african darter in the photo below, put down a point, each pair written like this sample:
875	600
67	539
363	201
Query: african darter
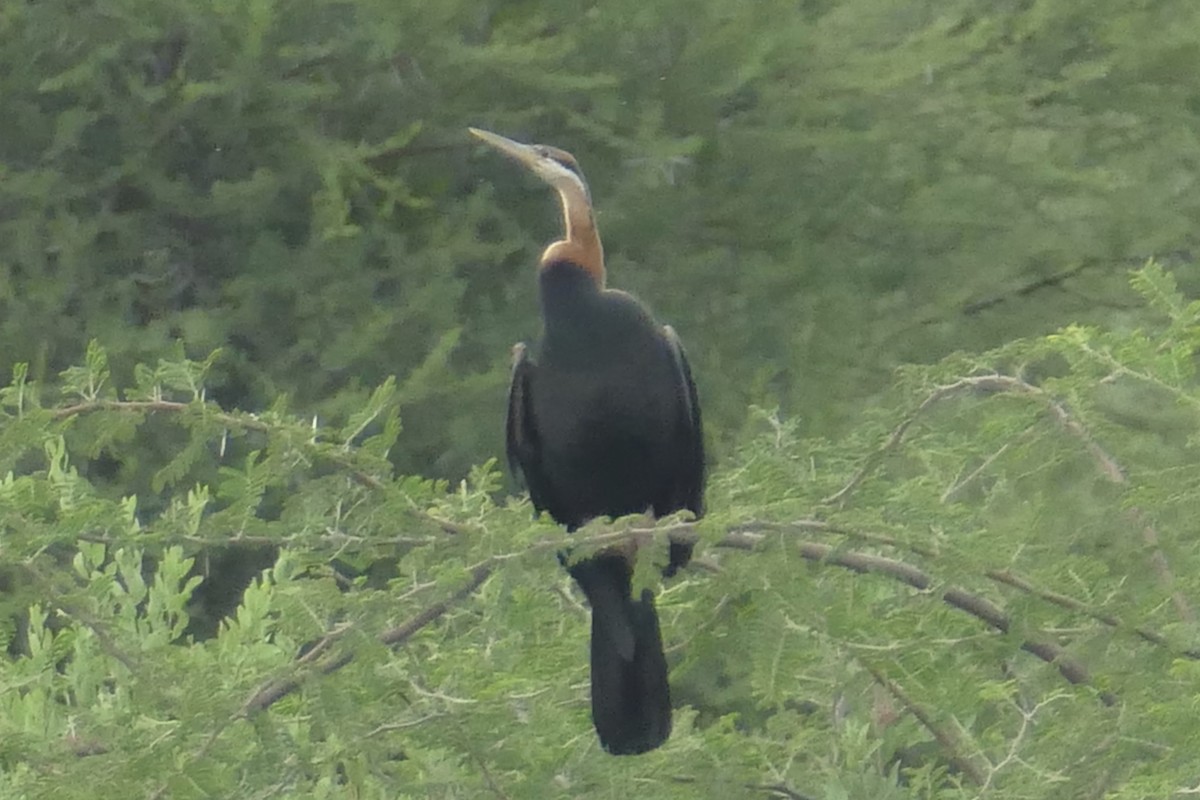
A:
604	422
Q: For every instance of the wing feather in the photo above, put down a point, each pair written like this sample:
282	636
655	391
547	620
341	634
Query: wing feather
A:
523	444
690	434
688	491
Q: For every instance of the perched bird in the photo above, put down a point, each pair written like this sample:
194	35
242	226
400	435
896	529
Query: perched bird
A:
604	422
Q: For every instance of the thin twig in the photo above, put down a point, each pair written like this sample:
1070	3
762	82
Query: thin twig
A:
984	383
273	691
487	776
1010	578
953	491
136	406
975	605
1029	287
1106	464
779	790
1002	576
1015	743
948	737
389	727
402	633
248	421
773	789
1112	470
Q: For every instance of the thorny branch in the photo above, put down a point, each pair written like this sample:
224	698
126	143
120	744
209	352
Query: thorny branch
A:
321	658
1010	578
979	607
778	790
249	422
1004	577
273	691
1014	746
748	537
947	736
894	440
1105	463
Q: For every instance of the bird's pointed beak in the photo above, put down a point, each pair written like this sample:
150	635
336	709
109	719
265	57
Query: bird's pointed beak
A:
553	166
523	154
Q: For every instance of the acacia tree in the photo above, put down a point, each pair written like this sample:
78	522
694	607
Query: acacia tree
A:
811	193
986	590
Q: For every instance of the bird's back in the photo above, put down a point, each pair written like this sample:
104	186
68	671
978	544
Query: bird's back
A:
609	404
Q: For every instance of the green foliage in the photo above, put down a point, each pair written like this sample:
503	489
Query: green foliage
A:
239	241
986	589
812	194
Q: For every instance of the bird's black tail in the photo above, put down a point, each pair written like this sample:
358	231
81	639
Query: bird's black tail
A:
631	700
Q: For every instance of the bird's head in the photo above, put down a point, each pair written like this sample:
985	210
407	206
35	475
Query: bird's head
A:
553	165
581	243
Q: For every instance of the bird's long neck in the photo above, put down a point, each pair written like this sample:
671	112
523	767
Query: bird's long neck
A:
581	244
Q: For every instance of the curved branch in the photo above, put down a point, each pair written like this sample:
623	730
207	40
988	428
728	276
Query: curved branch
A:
1004	577
979	607
984	383
273	691
1106	464
245	420
950	740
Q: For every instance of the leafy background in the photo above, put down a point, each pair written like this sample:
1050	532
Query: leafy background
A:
257	291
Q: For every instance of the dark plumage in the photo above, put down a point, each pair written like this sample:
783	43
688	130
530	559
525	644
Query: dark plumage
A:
603	422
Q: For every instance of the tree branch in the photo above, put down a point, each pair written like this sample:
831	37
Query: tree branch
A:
779	790
273	691
950	739
986	383
1028	288
246	421
1105	463
979	607
1009	578
1005	577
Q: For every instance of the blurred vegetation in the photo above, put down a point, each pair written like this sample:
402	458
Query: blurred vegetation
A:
257	293
810	193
